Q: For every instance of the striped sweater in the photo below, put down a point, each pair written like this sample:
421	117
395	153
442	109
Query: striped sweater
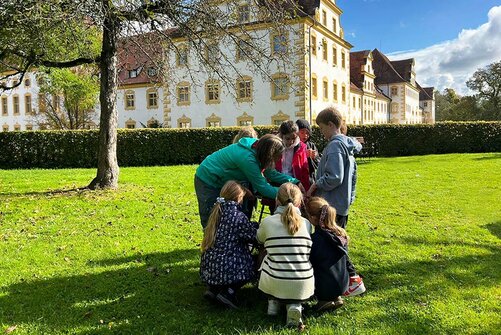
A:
286	271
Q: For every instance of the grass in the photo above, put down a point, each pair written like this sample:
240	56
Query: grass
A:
426	234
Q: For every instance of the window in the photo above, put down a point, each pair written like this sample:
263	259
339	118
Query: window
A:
182	55
5	111
130	124
243	13
343	93
183	94
212	53
425	104
343	59
134	73
245	120
213	121
130	100
334	25
354	102
334	91
184	122
151	98
5	127
313	45
325	89
394	90
42	106
27	105
29	127
279	42
244	89
212	92
334	56
314	87
243	49
324	50
17	127
152	72
27	82
15	102
394	107
279	87
324	17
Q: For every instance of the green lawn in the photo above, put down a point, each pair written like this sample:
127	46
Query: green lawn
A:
425	233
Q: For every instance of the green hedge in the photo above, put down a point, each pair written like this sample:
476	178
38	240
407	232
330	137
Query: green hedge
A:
146	147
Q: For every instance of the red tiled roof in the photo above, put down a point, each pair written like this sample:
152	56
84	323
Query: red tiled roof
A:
384	70
425	93
355	88
357	59
140	53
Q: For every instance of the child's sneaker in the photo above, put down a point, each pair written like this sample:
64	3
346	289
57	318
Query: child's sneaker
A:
356	287
273	307
228	298
323	306
294	315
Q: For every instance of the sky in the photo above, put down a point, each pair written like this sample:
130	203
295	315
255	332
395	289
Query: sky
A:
449	39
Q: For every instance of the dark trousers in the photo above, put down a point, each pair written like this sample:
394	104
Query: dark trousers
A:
342	221
206	196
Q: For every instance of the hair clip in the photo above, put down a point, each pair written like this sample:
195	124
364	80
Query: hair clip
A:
220	200
323	213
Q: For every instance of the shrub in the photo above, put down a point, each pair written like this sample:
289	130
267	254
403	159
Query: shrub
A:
146	147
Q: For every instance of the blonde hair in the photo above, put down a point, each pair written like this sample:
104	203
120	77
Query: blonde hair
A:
269	148
247	131
330	114
231	191
289	195
325	214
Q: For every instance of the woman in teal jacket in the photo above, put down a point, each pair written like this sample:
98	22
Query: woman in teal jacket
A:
250	161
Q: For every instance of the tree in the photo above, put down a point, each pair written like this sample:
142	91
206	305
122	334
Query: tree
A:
486	83
60	33
78	88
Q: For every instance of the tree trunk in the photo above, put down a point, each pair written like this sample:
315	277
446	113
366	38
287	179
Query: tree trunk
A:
107	168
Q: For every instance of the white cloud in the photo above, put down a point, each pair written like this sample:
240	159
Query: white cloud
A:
451	63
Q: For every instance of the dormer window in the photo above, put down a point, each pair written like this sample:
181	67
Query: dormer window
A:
134	73
152	72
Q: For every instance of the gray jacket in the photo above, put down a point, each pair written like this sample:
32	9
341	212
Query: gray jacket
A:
335	171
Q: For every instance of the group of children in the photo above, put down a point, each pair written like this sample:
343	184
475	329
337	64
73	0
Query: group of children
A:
304	258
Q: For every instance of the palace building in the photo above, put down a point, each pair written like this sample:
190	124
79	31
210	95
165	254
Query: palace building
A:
321	71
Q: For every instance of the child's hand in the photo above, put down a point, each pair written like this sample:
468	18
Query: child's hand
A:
311	191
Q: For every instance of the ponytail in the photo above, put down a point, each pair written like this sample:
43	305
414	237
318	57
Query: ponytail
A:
291	218
210	230
289	195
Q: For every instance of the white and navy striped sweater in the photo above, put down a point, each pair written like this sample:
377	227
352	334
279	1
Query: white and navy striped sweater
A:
286	271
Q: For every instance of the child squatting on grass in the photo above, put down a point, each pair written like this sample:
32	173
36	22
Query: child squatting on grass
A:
329	256
334	176
226	262
286	271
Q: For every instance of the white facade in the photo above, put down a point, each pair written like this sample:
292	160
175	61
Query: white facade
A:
316	76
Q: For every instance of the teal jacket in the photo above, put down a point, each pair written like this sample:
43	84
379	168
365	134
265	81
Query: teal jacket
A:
239	162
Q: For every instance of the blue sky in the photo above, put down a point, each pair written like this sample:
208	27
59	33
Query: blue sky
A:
449	39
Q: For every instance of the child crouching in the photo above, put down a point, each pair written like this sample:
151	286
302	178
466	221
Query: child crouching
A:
226	263
333	270
286	272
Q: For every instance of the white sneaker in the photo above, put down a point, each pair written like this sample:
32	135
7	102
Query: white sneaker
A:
294	315
273	307
356	287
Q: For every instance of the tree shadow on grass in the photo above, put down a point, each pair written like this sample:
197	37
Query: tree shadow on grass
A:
491	156
427	283
495	228
63	191
157	293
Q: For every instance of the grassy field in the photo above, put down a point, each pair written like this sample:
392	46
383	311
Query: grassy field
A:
425	233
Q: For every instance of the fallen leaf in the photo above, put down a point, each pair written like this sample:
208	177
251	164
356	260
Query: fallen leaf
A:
10	329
